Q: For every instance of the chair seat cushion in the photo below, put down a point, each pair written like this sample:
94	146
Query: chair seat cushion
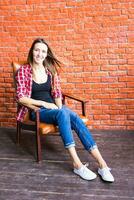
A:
48	129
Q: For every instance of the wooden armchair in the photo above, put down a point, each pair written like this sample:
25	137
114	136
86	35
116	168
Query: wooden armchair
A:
42	128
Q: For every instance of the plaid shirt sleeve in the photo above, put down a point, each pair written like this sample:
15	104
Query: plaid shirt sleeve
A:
56	88
23	82
23	88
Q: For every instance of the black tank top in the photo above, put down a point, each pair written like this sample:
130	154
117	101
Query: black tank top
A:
42	91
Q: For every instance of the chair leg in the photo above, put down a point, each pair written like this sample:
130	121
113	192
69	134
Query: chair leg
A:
38	145
38	140
18	133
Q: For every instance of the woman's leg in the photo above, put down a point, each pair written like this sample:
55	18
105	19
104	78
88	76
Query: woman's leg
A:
81	130
74	157
90	145
79	168
98	157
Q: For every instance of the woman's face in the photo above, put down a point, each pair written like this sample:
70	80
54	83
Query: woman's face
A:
39	53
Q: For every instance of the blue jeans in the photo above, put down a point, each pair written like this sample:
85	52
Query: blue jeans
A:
67	120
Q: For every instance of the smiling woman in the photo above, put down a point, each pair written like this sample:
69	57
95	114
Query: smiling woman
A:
38	85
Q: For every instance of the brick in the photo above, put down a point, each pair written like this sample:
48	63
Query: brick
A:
98	85
118	61
118	73
112	112
75	80
99	74
126	90
130	106
117	85
117	107
126	102
130	61
129	112
109	68
126	79
126	67
91	68
130	84
101	96
18	2
131	72
82	86
101	117
118	117
130	95
109	79
130	117
91	79
110	102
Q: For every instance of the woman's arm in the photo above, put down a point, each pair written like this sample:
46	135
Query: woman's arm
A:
29	102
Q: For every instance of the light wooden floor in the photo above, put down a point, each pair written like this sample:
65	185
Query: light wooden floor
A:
21	178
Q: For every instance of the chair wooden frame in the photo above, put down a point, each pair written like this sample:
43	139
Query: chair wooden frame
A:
43	128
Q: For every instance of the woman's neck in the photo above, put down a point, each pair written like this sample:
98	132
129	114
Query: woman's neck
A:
37	66
39	73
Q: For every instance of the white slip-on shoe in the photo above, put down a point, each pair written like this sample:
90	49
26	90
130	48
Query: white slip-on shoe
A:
106	174
85	173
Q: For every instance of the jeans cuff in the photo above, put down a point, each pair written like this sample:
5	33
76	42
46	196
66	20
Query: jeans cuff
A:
93	147
70	145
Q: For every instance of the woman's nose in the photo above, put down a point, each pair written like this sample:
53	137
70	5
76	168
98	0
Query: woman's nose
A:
39	53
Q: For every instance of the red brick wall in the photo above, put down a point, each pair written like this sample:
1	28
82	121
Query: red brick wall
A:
95	39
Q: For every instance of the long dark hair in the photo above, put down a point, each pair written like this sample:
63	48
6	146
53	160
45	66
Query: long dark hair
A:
50	62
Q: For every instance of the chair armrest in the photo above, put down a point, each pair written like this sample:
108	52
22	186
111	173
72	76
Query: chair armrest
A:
76	98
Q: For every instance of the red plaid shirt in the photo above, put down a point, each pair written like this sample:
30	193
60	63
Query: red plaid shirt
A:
24	87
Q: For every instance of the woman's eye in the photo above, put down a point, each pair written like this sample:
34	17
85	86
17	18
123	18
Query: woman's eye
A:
38	50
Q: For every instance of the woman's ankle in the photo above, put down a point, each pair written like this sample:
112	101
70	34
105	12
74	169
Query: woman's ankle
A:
77	165
102	165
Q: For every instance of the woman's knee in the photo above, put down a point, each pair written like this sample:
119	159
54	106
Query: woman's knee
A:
70	112
62	114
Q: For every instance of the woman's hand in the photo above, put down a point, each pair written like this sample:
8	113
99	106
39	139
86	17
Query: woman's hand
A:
58	102
49	105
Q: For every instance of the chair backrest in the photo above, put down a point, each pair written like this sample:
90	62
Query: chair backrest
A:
16	66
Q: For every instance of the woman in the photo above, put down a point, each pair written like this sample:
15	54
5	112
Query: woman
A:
38	87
